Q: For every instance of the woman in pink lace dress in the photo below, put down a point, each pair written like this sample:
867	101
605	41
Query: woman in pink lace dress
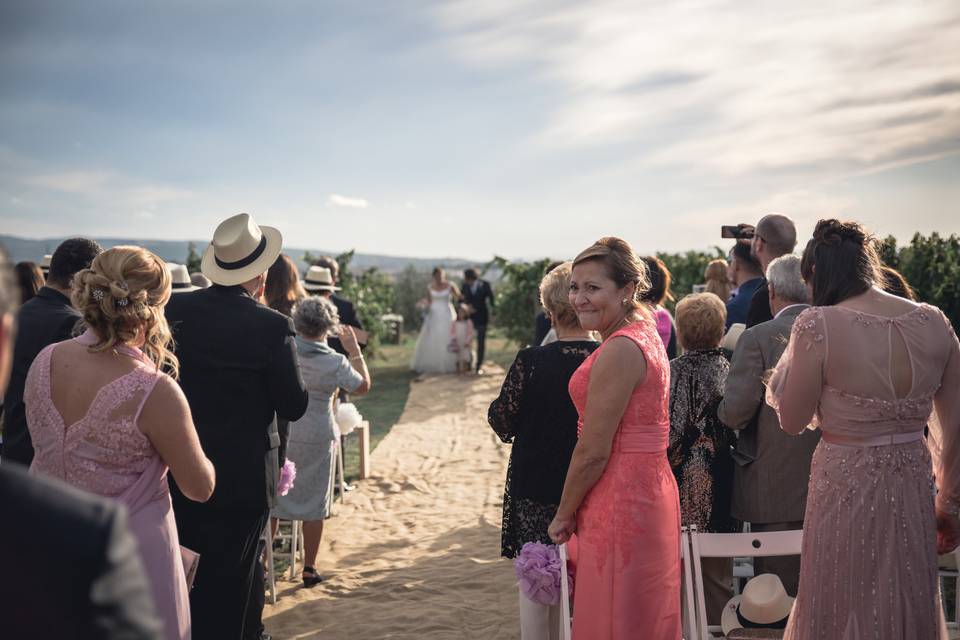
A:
870	370
105	418
620	496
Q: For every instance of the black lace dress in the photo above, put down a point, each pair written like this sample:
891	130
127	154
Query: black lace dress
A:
535	413
699	449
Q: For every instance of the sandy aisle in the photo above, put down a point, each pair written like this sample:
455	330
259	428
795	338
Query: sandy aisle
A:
415	551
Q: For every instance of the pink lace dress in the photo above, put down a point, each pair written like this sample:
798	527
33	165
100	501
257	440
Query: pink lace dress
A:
628	526
105	453
869	562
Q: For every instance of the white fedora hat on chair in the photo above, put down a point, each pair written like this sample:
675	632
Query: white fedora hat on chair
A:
240	251
764	604
180	278
319	279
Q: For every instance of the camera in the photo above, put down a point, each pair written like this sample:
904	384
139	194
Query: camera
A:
736	231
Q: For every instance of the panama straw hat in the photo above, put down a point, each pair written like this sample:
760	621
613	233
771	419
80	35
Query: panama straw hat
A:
45	264
764	604
180	278
240	251
319	279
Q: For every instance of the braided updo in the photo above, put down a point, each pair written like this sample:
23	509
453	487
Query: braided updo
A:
121	297
840	261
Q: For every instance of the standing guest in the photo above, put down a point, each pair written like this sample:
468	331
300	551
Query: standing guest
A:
180	279
699	450
774	236
620	496
894	283
313	437
541	324
716	279
747	277
772	468
535	413
102	592
345	309
29	280
283	290
239	371
477	293
659	293
45	319
105	417
871	370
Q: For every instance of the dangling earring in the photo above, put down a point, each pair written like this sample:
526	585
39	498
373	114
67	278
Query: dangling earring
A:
624	302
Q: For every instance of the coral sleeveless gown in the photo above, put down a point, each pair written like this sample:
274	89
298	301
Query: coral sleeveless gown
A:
628	526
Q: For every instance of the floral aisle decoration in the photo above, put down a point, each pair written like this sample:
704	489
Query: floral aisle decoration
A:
538	568
288	474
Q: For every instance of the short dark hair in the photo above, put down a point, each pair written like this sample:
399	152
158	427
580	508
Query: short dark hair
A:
29	279
329	263
73	255
840	262
659	281
470	274
741	251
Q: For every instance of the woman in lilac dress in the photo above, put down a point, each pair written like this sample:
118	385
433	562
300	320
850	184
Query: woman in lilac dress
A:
870	370
105	417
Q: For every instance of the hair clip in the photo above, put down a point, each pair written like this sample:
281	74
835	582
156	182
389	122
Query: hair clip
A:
97	294
122	302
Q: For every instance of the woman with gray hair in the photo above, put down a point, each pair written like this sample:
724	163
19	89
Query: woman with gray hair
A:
313	437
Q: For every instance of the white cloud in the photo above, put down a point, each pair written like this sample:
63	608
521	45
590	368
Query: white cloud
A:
344	201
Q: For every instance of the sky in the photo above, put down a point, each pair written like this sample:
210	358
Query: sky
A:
477	127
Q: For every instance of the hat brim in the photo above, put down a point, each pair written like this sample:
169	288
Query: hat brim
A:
231	277
729	620
319	287
184	289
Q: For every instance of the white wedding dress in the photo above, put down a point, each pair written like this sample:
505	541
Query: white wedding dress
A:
433	354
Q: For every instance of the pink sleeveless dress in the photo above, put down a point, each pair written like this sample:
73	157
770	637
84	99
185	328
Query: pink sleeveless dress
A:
105	453
628	526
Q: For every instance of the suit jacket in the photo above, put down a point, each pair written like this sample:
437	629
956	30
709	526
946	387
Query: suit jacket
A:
348	316
772	467
739	306
94	585
759	310
45	319
478	300
239	371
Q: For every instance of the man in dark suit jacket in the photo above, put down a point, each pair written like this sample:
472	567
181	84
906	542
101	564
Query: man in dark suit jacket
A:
239	371
476	293
45	319
772	467
94	585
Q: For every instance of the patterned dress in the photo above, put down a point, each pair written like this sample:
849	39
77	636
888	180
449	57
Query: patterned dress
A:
869	562
628	526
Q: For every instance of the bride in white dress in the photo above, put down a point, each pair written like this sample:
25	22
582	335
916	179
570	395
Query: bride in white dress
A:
433	354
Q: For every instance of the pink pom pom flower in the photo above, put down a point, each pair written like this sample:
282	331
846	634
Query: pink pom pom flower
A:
287	475
538	570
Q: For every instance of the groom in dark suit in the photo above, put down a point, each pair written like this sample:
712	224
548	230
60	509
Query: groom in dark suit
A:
475	293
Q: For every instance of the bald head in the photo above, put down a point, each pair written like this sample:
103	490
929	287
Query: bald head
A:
776	236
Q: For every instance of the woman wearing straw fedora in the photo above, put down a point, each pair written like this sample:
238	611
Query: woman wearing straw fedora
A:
239	371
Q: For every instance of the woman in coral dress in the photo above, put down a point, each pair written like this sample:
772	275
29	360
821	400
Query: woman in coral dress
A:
620	496
105	418
871	371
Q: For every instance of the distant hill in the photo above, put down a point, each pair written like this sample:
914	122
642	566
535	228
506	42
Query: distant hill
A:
176	251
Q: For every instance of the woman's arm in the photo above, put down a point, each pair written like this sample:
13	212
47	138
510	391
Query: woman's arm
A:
349	341
797	381
617	371
504	412
167	423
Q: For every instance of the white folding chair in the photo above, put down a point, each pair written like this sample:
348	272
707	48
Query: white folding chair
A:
271	576
951	572
564	595
733	545
687	604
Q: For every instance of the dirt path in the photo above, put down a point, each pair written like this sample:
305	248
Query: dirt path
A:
415	551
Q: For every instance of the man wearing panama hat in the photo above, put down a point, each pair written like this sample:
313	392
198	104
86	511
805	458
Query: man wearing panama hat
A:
239	371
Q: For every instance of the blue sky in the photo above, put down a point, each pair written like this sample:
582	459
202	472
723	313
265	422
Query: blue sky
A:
476	127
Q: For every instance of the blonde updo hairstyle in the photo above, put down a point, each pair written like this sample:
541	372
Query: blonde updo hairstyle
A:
555	297
121	297
623	266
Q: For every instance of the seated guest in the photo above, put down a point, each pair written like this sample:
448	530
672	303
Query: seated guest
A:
772	467
120	444
747	277
45	319
699	448
29	280
893	282
313	437
716	279
659	293
535	413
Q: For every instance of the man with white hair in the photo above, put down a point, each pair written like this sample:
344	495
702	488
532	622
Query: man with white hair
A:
772	467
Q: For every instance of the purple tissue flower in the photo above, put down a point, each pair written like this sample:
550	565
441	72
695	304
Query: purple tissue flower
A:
287	475
538	570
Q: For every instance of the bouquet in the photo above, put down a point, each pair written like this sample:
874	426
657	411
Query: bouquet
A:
538	570
287	475
348	418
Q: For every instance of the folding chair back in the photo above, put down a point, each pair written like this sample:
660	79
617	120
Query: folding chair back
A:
564	595
731	545
687	603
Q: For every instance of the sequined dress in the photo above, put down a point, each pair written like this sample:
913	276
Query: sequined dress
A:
105	453
628	526
869	563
